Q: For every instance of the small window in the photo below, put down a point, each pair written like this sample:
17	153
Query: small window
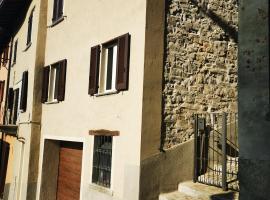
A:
102	161
2	90
15	51
29	30
54	80
110	72
57	10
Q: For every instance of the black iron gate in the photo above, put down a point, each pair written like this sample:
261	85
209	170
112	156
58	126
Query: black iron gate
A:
216	149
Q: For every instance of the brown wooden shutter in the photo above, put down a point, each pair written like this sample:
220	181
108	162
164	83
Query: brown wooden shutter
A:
45	84
94	70
123	62
10	98
60	8
2	89
24	90
54	10
61	82
4	163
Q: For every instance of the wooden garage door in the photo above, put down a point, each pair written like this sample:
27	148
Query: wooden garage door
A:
69	174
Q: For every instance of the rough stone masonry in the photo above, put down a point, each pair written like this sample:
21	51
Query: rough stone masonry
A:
200	71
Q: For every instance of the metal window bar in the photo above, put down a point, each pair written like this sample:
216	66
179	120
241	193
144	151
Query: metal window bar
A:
102	161
216	150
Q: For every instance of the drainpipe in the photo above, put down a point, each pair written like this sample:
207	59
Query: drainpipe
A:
7	86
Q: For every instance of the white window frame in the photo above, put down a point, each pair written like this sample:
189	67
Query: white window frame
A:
51	86
104	67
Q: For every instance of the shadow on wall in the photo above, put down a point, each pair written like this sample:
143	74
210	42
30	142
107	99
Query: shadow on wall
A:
6	191
230	30
200	64
163	172
227	196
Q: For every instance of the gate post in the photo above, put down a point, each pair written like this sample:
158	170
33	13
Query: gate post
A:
224	157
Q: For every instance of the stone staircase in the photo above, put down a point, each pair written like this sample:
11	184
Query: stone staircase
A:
198	191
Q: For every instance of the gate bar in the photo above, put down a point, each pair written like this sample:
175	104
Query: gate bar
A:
195	175
224	159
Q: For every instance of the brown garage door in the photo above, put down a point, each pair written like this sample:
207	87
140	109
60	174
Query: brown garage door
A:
69	174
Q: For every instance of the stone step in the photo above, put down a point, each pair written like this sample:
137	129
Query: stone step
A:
199	190
178	196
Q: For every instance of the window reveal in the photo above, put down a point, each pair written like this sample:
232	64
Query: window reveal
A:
109	69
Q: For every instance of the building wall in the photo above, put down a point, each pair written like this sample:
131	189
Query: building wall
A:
9	139
200	71
85	25
23	184
3	77
254	96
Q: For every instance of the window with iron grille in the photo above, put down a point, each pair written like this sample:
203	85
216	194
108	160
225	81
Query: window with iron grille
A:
102	161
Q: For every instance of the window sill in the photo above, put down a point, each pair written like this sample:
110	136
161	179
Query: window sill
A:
106	93
52	102
101	189
28	46
57	21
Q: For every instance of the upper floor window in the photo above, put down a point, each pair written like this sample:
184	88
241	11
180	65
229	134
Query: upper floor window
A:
57	10
13	102
2	90
54	81
4	56
109	72
15	51
29	30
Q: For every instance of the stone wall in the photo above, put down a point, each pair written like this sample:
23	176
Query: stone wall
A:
200	70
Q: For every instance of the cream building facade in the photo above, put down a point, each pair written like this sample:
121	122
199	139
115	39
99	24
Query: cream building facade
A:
102	96
62	118
81	118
